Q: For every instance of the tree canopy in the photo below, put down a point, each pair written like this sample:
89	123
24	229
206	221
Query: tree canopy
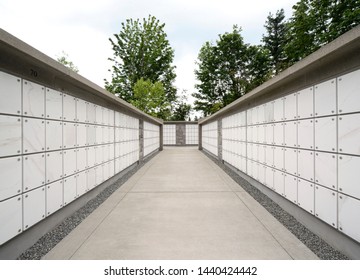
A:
230	68
227	70
141	51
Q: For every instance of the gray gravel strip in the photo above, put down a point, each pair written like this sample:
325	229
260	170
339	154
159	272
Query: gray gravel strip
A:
53	237
318	246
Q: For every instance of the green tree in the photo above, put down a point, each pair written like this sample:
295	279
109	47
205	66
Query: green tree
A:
228	70
141	50
151	98
182	109
64	60
275	40
317	22
300	35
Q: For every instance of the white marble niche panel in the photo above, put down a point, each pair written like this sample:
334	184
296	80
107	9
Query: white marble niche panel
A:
269	155
290	107
81	159
326	205
10	90
325	98
290	161
11	216
69	189
10	136
111	117
262	154
53	104
54	197
279	182
269	177
105	135
349	134
11	177
34	207
99	115
91	113
290	188
91	154
325	134
111	165
99	174
269	112
33	171
99	158
279	158
106	171
279	134
81	109
91	134
305	103
81	183
261	114
306	165
54	166
99	135
290	134
249	148
69	108
349	208
33	99
278	109
54	135
306	195
105	116
349	175
249	118
348	92
69	135
262	134
326	170
33	135
249	133
269	133
69	158
91	178
81	134
305	134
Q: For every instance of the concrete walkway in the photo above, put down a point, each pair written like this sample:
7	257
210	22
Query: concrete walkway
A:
180	205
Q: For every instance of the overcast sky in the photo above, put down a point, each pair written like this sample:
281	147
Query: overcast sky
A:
81	28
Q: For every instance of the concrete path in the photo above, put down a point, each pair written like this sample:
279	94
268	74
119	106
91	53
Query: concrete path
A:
180	205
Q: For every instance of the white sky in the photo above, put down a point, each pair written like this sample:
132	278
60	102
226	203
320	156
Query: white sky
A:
81	28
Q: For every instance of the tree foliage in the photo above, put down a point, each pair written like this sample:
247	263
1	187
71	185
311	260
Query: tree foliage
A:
151	98
228	70
317	22
275	40
64	60
181	110
141	51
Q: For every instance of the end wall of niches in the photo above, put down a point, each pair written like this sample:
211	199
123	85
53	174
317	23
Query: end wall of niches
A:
302	144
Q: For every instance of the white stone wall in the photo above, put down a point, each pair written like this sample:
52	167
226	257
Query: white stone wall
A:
151	138
306	147
53	149
169	134
192	134
210	137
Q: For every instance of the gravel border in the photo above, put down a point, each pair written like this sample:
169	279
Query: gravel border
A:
54	236
317	245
